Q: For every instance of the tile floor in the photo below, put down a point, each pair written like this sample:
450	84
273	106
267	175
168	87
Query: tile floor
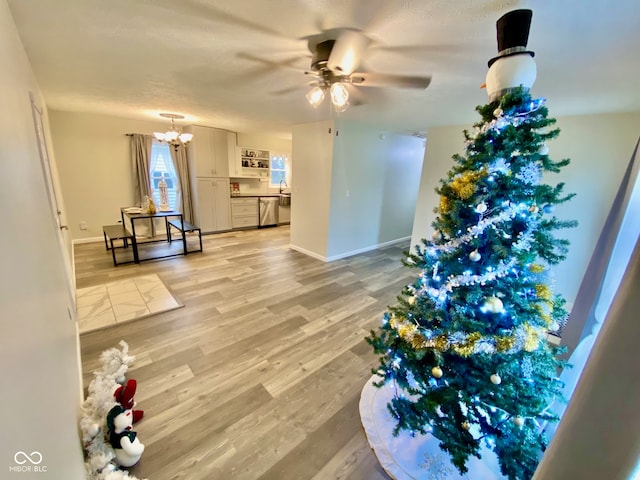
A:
121	301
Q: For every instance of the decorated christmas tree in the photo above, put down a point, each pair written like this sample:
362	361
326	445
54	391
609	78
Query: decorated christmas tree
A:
466	342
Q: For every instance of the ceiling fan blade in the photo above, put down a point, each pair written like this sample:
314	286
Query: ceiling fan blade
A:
388	80
210	13
271	65
287	90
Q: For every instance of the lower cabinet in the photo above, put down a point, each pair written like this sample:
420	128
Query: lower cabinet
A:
244	212
213	208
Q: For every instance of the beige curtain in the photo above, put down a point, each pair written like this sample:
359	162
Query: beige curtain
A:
181	164
141	159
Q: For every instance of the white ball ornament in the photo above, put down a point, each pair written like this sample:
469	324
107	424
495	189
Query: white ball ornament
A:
495	379
544	149
475	256
436	236
554	327
497	112
518	420
481	207
493	305
436	372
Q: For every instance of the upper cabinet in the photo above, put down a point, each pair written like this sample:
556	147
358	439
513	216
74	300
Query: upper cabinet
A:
254	162
211	151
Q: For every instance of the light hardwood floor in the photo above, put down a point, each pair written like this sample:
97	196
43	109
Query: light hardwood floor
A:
259	375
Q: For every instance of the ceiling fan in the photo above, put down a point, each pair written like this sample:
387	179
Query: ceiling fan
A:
336	54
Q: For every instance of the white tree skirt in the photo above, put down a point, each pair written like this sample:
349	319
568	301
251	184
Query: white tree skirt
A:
413	458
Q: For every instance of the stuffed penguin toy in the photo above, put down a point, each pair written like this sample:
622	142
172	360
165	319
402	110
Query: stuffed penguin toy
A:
514	66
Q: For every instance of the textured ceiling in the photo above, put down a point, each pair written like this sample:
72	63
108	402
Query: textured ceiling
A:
234	64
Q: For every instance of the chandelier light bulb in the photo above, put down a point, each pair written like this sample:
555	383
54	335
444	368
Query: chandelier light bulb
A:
171	135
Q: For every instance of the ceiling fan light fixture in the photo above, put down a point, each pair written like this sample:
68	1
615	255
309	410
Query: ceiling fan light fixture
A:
315	96
339	96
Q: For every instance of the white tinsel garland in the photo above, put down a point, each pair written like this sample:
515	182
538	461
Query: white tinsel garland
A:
93	423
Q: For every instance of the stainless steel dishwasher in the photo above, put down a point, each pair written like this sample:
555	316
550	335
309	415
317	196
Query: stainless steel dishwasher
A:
268	211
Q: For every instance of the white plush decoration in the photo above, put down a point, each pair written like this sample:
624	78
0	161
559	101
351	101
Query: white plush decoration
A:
98	403
127	445
495	379
510	72
116	362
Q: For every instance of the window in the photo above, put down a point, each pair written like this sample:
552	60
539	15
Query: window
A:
161	168
278	170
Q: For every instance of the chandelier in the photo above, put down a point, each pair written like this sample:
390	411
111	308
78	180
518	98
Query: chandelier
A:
173	136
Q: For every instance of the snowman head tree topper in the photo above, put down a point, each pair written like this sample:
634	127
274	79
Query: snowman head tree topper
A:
514	66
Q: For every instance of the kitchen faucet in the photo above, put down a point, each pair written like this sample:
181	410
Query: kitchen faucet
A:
285	184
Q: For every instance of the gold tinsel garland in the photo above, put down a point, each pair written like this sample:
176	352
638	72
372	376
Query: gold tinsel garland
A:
464	344
465	184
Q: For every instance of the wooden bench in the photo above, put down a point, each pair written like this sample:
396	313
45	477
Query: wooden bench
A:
184	228
116	232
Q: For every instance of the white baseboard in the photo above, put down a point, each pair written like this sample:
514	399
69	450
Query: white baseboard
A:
348	254
307	252
87	240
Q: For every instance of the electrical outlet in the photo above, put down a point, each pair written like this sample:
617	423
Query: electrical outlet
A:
83	225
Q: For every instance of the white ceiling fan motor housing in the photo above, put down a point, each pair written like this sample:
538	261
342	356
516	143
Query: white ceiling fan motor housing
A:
346	53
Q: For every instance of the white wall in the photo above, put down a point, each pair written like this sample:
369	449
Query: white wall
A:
599	147
39	377
94	163
312	148
267	142
375	181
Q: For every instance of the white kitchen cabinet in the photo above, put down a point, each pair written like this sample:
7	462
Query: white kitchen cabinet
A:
210	151
244	212
213	209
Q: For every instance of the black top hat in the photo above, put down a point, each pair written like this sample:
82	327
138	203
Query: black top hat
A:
513	34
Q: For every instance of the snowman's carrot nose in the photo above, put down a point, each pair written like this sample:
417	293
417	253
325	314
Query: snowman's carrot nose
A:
484	85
